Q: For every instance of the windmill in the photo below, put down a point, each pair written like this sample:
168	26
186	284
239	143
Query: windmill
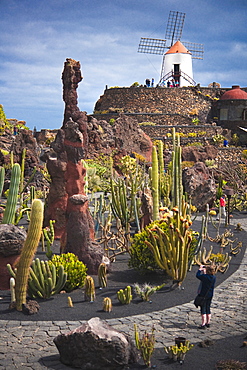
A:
177	61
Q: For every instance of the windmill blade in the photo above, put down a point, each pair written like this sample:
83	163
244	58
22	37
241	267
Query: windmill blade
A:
175	25
196	50
152	46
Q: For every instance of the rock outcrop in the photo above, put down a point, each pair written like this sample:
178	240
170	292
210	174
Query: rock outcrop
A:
67	201
122	137
199	183
95	345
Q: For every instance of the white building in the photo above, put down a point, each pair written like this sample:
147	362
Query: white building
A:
177	66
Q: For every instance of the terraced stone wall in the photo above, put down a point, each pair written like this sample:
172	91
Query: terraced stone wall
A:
166	106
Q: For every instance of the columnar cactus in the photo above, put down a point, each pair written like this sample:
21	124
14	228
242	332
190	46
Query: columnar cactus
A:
171	250
89	289
49	235
44	281
177	187
102	275
155	184
9	212
2	176
107	304
125	296
28	251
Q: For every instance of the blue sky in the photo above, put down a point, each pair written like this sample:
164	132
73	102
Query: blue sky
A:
38	35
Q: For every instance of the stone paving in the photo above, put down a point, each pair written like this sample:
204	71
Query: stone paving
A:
29	345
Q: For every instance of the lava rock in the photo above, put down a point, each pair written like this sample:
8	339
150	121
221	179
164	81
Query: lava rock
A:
96	345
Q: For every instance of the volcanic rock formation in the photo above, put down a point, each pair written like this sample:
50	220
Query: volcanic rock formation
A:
67	201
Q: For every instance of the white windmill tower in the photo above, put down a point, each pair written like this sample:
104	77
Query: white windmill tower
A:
177	61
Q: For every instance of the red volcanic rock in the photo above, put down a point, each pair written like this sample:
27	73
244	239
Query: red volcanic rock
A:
67	201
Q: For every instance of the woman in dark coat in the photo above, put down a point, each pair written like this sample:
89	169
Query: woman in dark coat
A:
206	289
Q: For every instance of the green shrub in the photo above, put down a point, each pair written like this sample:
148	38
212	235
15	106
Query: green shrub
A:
186	164
147	123
196	143
112	121
141	257
75	269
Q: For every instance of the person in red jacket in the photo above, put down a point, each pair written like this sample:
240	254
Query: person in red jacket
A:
222	212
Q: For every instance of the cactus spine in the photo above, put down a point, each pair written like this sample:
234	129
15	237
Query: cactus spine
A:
102	275
28	251
155	184
125	296
89	289
9	213
107	304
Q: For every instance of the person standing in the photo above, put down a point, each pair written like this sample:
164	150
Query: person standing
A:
206	274
223	206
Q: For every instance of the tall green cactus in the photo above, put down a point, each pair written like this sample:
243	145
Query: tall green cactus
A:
89	289
9	212
28	252
155	184
2	176
177	187
124	202
102	277
171	250
49	235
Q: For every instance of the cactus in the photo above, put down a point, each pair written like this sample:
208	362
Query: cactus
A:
124	203
70	303
9	212
155	184
43	281
12	290
89	289
102	275
49	235
146	290
145	345
125	296
2	176
107	304
28	251
177	187
171	250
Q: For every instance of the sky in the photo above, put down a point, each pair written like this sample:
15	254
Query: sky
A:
36	37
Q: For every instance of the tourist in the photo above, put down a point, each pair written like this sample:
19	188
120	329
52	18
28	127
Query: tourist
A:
206	274
223	206
168	83
152	84
147	82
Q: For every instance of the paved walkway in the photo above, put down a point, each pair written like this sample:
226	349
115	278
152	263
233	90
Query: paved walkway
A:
29	345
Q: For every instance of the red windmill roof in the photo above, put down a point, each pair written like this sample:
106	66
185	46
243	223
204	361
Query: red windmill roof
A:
234	93
178	47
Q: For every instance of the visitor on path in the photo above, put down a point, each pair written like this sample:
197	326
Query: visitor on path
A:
206	274
152	84
222	212
168	83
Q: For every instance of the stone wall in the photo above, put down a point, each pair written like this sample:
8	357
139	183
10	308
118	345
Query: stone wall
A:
166	106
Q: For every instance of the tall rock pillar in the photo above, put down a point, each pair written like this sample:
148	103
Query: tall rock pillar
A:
67	201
